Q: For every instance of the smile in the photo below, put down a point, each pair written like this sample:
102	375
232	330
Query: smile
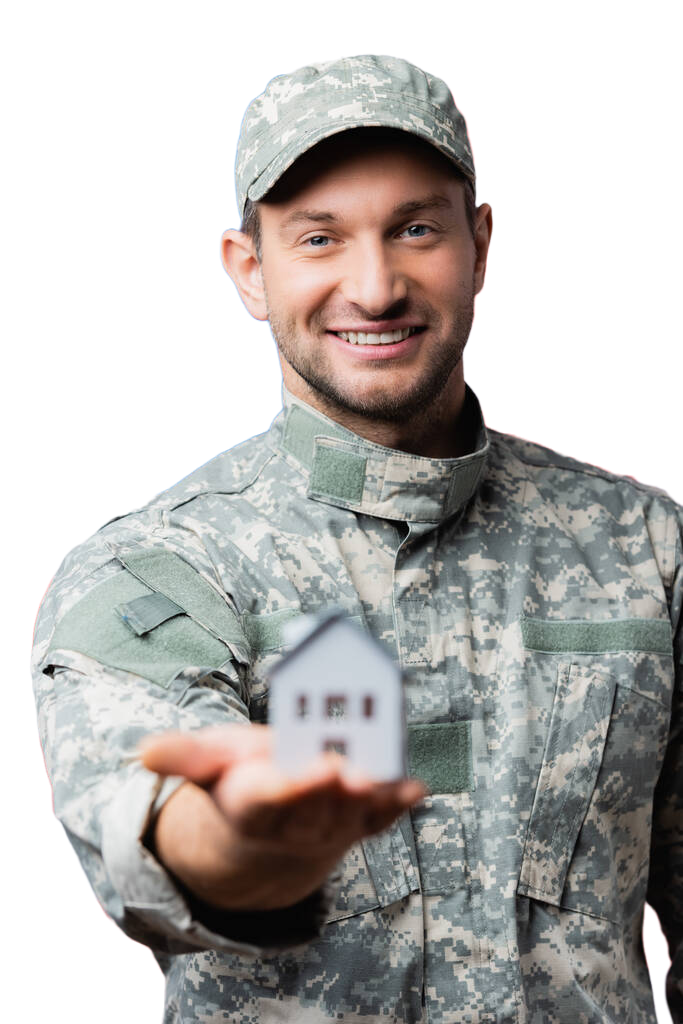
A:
376	337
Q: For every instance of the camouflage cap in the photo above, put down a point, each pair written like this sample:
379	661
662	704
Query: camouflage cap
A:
298	110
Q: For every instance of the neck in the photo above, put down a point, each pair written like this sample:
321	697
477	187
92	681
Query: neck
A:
444	429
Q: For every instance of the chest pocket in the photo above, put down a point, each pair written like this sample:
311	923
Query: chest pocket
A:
587	842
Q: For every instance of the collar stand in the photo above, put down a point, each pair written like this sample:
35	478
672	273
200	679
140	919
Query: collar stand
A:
348	471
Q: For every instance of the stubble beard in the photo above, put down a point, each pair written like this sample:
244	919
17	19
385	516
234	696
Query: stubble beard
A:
383	405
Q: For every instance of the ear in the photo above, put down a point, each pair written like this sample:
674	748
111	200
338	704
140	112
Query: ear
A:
483	226
241	263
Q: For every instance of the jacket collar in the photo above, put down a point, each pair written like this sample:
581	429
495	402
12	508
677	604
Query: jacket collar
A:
345	470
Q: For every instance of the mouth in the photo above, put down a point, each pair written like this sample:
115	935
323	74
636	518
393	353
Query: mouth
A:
377	337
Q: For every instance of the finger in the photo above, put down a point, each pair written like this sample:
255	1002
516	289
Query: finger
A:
388	802
258	799
204	754
259	782
410	791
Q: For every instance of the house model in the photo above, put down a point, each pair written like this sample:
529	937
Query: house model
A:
337	690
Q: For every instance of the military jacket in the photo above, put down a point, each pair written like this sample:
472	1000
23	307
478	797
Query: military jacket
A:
534	605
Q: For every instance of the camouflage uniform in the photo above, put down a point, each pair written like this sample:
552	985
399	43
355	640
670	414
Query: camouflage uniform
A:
534	603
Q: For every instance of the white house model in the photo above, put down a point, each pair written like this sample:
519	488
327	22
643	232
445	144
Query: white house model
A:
338	690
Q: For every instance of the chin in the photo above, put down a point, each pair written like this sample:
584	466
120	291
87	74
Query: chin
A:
388	406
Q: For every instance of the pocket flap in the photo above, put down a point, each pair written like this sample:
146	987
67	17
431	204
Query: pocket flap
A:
389	861
573	753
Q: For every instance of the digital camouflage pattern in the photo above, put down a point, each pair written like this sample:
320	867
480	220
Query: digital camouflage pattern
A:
534	604
298	110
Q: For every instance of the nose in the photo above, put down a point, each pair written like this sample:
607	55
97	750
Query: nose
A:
371	279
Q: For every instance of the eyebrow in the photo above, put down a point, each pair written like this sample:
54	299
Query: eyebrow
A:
428	202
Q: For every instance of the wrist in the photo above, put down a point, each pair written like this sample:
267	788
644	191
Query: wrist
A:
283	926
222	869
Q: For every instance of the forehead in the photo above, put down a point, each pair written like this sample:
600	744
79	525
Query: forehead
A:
379	158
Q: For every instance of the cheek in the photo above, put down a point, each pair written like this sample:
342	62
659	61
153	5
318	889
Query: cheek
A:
444	276
306	296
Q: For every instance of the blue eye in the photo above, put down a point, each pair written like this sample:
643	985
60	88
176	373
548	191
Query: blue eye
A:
318	241
417	230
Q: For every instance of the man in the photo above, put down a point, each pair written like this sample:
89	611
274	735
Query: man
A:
533	603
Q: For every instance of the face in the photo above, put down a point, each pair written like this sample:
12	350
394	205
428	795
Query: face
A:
369	271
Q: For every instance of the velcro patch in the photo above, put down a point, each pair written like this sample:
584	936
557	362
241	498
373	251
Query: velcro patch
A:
338	474
578	636
441	755
145	613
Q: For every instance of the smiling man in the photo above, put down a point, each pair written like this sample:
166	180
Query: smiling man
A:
368	281
532	602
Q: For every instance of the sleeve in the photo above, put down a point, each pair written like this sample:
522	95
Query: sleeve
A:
133	639
665	886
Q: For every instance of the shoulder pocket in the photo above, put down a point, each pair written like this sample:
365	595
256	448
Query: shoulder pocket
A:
155	618
167	573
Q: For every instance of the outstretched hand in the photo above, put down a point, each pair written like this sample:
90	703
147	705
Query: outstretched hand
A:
297	827
328	806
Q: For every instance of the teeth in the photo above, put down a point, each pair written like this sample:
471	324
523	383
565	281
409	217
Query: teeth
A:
376	338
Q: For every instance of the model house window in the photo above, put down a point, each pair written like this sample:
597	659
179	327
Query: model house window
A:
302	706
336	746
368	707
335	707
